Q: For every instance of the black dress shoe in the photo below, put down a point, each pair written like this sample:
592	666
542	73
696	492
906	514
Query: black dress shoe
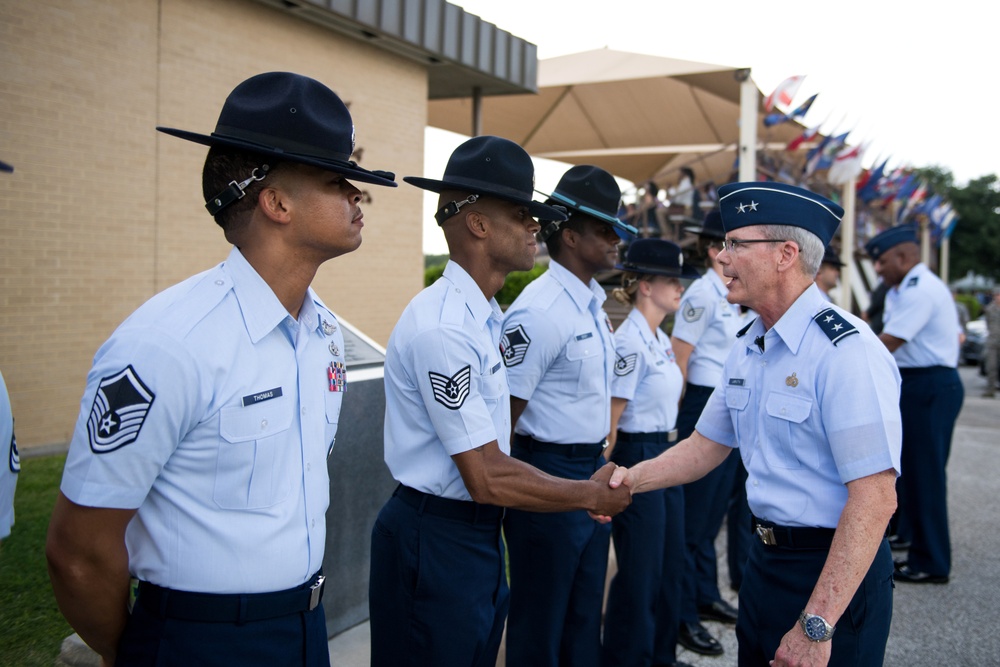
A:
694	637
720	610
909	576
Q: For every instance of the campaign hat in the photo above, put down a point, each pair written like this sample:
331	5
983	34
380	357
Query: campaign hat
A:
490	166
6	167
592	191
657	257
289	117
711	227
831	257
752	203
890	238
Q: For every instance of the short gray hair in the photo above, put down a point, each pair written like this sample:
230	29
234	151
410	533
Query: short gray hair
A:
810	247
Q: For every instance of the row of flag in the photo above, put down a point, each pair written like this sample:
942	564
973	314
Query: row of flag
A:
843	163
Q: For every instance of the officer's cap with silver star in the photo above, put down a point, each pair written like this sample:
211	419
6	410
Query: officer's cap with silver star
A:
890	238
765	203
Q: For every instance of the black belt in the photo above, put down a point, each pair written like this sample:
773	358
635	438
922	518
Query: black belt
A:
230	608
791	538
659	438
581	451
925	370
448	508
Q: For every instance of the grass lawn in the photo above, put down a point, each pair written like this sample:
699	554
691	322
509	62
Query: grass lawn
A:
32	627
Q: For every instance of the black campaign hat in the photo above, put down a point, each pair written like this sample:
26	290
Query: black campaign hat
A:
657	257
831	257
711	227
592	191
769	203
292	118
6	167
491	166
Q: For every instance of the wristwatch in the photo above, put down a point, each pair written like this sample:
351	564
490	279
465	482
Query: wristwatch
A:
816	627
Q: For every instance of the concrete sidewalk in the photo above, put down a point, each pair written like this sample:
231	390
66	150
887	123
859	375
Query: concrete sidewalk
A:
932	624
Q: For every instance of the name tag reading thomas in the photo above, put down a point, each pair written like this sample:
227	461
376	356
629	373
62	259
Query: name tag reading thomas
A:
253	399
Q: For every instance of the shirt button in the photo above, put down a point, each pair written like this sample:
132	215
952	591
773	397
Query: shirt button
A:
263	424
308	467
312	523
220	283
303	410
783	411
755	482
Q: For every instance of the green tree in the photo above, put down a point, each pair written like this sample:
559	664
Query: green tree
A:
975	243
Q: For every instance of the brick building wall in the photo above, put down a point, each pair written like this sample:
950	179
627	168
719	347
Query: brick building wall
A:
102	211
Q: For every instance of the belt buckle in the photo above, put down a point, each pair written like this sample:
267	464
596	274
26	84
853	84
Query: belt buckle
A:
316	592
766	535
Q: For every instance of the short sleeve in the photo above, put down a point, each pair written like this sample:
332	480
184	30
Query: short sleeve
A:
693	317
911	311
630	364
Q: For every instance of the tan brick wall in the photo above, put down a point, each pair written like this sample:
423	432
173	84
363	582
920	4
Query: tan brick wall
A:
102	212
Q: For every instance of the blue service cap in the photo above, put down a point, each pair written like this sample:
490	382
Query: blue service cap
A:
760	203
890	238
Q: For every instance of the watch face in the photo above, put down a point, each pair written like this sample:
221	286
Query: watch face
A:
815	628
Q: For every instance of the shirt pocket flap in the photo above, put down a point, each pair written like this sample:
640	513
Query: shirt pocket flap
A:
242	423
737	398
585	346
790	408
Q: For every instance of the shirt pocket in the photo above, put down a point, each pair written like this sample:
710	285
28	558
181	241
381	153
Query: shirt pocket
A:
586	356
256	453
737	399
334	402
784	414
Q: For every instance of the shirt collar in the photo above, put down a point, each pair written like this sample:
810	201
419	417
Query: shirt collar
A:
481	309
716	282
262	311
583	294
917	270
640	322
792	326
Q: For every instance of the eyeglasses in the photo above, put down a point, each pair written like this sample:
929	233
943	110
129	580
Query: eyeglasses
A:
732	244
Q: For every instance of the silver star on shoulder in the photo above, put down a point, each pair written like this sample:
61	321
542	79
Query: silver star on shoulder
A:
741	208
753	205
829	318
838	327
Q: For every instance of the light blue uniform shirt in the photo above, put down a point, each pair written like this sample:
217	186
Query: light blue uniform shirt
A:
560	354
921	311
647	376
212	410
11	466
710	323
445	384
808	415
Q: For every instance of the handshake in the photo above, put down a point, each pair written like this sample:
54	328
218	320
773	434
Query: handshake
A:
613	492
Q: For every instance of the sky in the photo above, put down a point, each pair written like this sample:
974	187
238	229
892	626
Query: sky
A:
917	87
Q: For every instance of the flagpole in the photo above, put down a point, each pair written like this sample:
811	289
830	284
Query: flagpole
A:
749	105
945	257
925	241
847	244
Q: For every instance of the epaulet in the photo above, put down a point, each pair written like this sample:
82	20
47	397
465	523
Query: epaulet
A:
912	282
741	332
834	325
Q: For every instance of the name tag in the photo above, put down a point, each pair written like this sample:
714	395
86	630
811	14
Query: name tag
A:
253	399
736	382
585	336
494	370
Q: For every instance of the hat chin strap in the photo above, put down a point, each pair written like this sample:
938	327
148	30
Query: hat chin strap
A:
235	191
452	208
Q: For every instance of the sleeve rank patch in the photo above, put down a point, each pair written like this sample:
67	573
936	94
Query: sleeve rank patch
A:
625	365
452	391
14	459
834	325
119	411
692	314
513	345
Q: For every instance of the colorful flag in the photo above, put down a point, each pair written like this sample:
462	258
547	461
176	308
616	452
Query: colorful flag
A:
869	191
846	165
822	156
784	93
773	119
807	135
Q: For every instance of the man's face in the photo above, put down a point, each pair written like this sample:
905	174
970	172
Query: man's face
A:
890	267
514	244
326	211
827	277
751	268
597	244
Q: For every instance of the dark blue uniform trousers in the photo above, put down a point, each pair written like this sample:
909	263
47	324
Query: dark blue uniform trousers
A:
437	589
777	584
929	402
641	619
295	640
706	503
558	564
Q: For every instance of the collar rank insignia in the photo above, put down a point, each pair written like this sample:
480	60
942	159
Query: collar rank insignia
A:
121	404
792	381
912	282
625	365
742	332
834	325
336	375
328	328
513	345
451	392
692	314
14	460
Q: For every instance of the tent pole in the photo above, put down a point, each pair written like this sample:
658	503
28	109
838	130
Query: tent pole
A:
945	259
847	228
477	111
748	125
